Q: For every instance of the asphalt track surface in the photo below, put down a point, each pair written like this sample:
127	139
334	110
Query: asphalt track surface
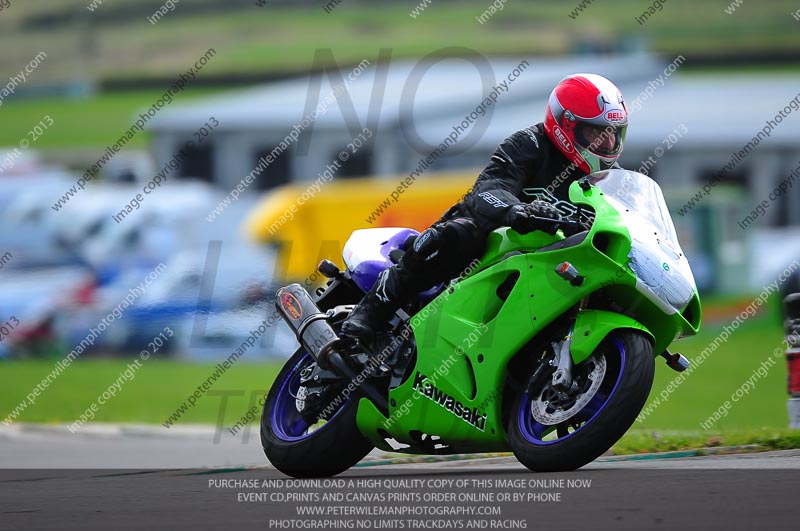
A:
744	491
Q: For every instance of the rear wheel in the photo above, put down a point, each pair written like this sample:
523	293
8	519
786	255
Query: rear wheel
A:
556	431
298	445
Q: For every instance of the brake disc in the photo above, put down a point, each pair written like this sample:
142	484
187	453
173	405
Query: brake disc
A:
553	406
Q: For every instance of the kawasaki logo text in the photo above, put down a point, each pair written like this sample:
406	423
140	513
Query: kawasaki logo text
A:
469	415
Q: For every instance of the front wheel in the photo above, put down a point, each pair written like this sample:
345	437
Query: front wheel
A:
296	445
556	431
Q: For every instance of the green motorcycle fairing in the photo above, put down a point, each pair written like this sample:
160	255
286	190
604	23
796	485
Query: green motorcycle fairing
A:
466	336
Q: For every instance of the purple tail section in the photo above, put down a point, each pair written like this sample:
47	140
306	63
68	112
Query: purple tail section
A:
366	273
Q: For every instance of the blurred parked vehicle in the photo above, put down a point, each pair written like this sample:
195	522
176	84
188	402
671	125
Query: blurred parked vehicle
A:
32	298
225	332
27	191
193	287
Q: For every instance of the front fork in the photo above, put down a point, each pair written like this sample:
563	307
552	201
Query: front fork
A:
562	377
558	367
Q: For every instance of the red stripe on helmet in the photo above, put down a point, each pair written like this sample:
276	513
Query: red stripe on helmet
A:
579	95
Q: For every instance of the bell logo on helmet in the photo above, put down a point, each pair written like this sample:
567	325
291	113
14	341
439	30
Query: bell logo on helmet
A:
562	139
615	116
595	103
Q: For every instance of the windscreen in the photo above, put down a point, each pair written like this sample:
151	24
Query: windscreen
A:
656	255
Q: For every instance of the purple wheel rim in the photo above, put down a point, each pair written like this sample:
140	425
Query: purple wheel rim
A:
534	431
285	420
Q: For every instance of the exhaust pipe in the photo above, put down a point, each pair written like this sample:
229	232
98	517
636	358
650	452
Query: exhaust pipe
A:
308	323
317	336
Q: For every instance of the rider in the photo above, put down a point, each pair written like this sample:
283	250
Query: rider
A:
583	132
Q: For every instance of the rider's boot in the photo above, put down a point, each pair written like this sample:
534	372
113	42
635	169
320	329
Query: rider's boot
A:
372	314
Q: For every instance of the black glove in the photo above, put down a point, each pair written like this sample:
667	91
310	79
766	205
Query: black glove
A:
526	217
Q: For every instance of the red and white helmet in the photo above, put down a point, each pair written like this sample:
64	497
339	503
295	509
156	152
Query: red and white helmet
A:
587	119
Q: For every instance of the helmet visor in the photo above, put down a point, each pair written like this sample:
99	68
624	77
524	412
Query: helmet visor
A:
604	141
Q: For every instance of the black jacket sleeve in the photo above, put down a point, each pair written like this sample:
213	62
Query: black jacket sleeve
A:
500	184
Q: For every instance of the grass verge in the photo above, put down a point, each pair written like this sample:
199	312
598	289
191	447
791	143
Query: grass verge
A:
158	388
93	122
642	441
118	41
161	386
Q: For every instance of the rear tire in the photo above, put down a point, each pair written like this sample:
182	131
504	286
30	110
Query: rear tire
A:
329	450
630	355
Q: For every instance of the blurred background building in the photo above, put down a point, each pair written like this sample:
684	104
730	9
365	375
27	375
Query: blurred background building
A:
700	89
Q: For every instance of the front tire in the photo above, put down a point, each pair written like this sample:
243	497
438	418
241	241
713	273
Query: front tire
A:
628	366
288	443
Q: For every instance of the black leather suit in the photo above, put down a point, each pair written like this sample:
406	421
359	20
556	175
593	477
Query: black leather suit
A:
525	167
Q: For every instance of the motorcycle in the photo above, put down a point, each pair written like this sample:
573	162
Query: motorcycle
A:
545	346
